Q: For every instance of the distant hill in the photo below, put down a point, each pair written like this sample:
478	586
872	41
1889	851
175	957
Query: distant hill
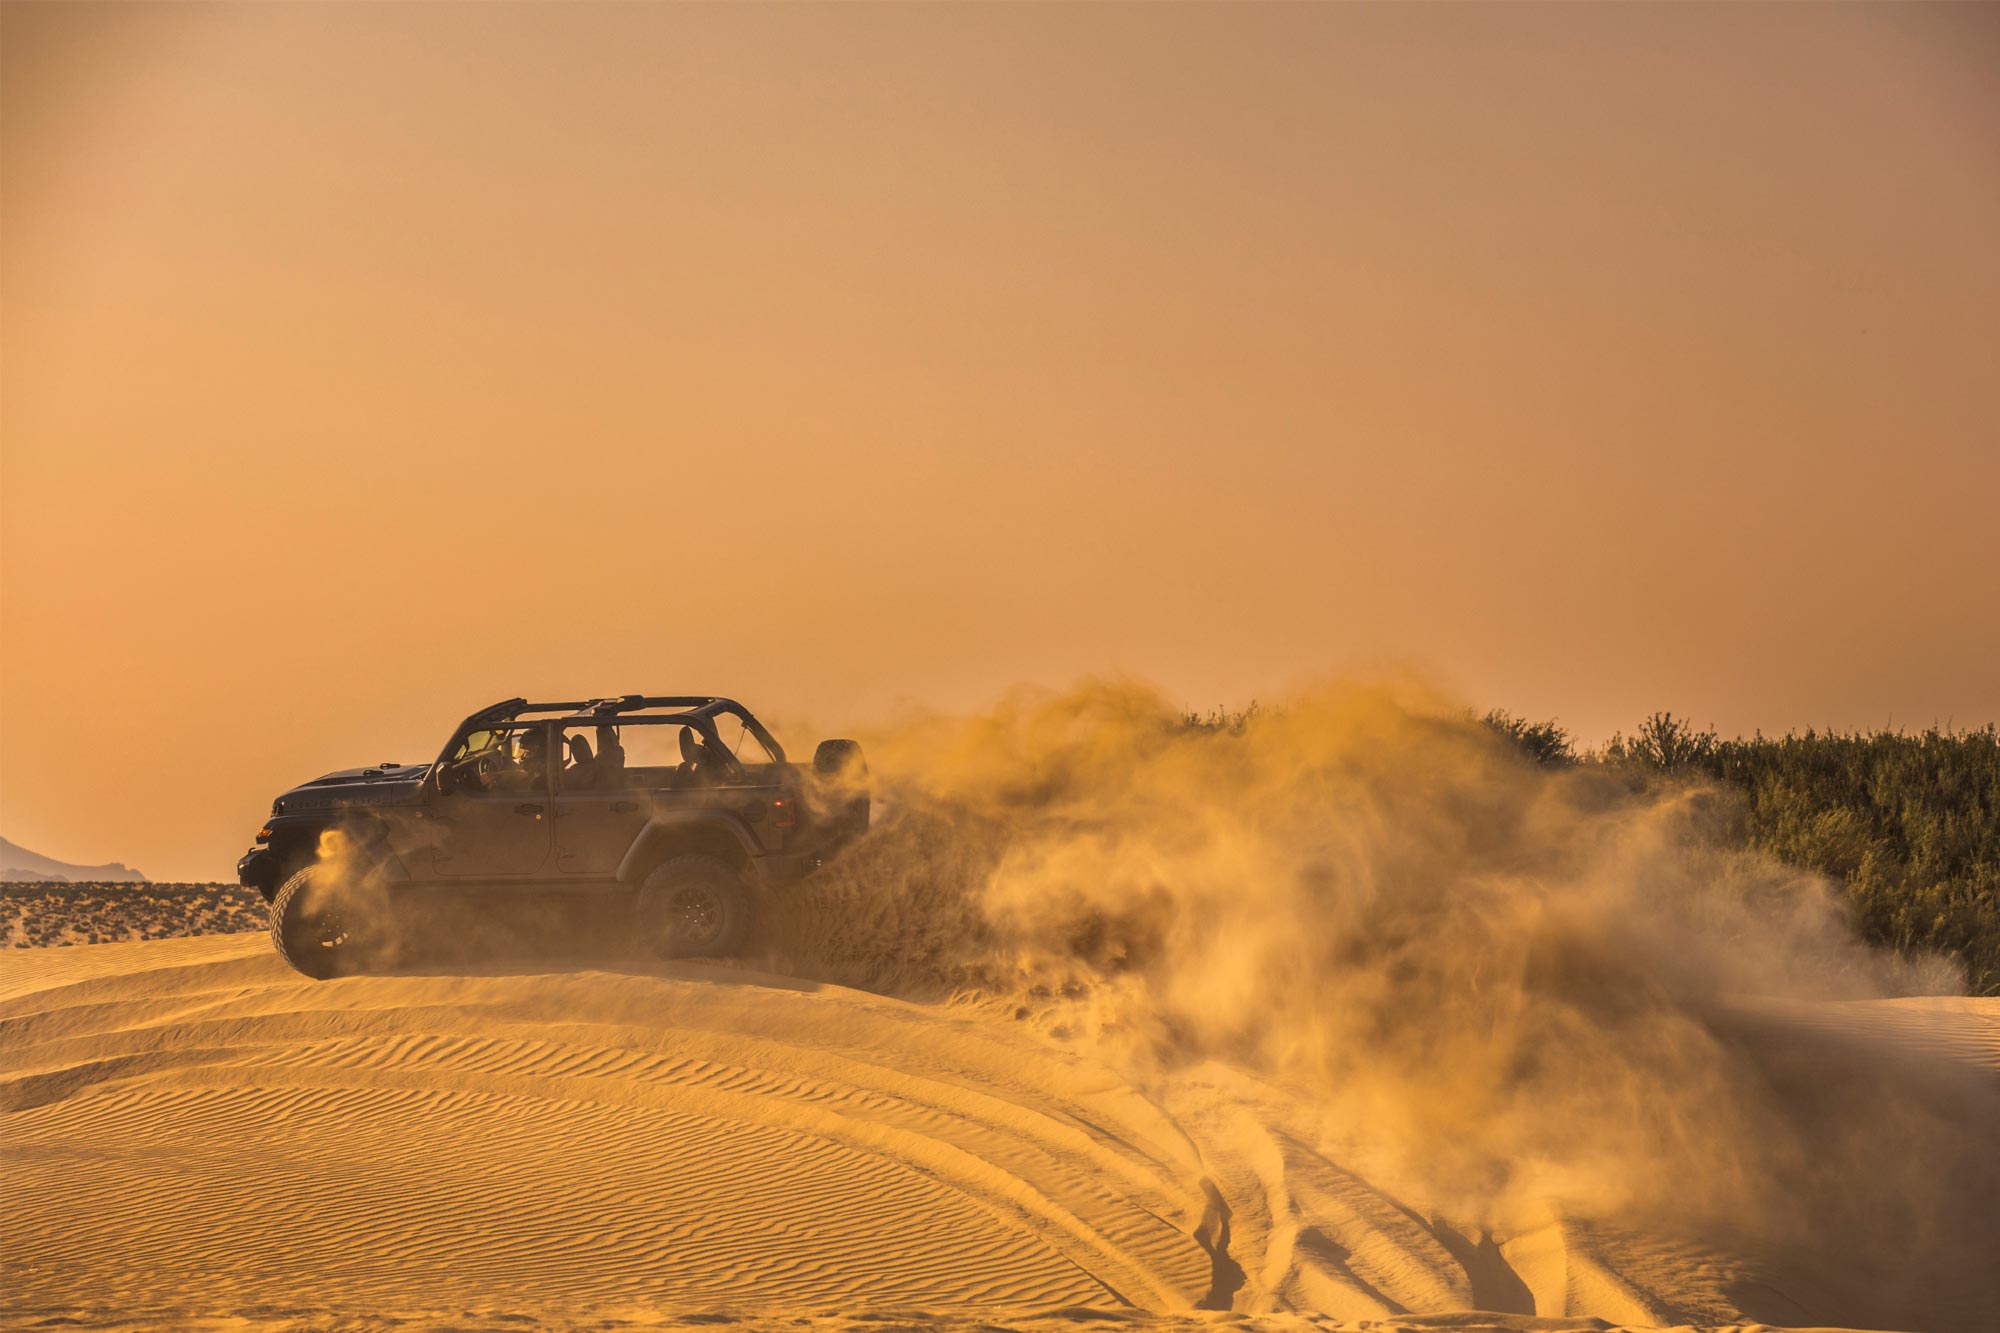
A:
18	864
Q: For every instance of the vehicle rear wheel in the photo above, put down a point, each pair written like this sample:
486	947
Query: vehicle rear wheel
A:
315	931
694	906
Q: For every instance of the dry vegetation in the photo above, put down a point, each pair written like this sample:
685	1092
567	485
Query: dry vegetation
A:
42	914
1907	823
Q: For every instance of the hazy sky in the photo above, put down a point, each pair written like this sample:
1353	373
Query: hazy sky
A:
364	364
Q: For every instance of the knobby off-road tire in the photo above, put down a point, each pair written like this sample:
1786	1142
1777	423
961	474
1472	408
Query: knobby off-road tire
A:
315	932
694	906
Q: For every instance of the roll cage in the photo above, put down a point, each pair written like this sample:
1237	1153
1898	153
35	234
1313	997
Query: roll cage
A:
698	711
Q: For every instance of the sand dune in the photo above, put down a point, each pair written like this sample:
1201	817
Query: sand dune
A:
194	1132
552	1141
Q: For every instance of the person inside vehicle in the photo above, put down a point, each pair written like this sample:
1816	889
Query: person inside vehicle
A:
610	758
690	771
582	773
529	768
703	762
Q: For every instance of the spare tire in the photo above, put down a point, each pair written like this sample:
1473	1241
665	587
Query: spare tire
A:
841	805
316	932
694	906
840	759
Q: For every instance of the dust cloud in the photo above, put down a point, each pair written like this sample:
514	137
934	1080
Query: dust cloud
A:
1504	988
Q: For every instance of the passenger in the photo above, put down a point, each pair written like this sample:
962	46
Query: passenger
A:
582	773
693	768
610	758
704	763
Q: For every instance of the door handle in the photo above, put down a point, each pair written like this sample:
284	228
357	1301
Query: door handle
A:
623	807
535	810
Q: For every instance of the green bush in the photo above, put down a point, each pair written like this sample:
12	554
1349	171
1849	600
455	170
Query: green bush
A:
1908	822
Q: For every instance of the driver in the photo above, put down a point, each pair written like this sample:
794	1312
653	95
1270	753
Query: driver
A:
528	771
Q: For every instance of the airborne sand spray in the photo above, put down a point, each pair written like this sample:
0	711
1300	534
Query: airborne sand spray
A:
1511	988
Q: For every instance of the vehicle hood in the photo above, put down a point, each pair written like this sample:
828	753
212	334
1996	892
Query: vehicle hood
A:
383	784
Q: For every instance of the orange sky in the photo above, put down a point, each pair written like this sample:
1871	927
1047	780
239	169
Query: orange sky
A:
363	364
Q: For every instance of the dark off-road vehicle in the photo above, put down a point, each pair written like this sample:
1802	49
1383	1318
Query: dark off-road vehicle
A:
671	813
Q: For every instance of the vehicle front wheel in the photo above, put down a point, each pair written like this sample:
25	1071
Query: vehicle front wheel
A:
315	930
694	906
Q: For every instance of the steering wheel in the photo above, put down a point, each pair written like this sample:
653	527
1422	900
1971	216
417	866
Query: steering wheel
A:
483	770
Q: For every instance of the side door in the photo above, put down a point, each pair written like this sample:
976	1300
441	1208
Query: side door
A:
500	830
601	799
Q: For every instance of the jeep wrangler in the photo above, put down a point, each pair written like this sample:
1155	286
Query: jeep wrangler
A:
664	810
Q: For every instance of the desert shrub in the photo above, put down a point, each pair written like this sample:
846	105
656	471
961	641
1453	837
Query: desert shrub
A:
1219	719
1908	822
1663	742
1547	743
